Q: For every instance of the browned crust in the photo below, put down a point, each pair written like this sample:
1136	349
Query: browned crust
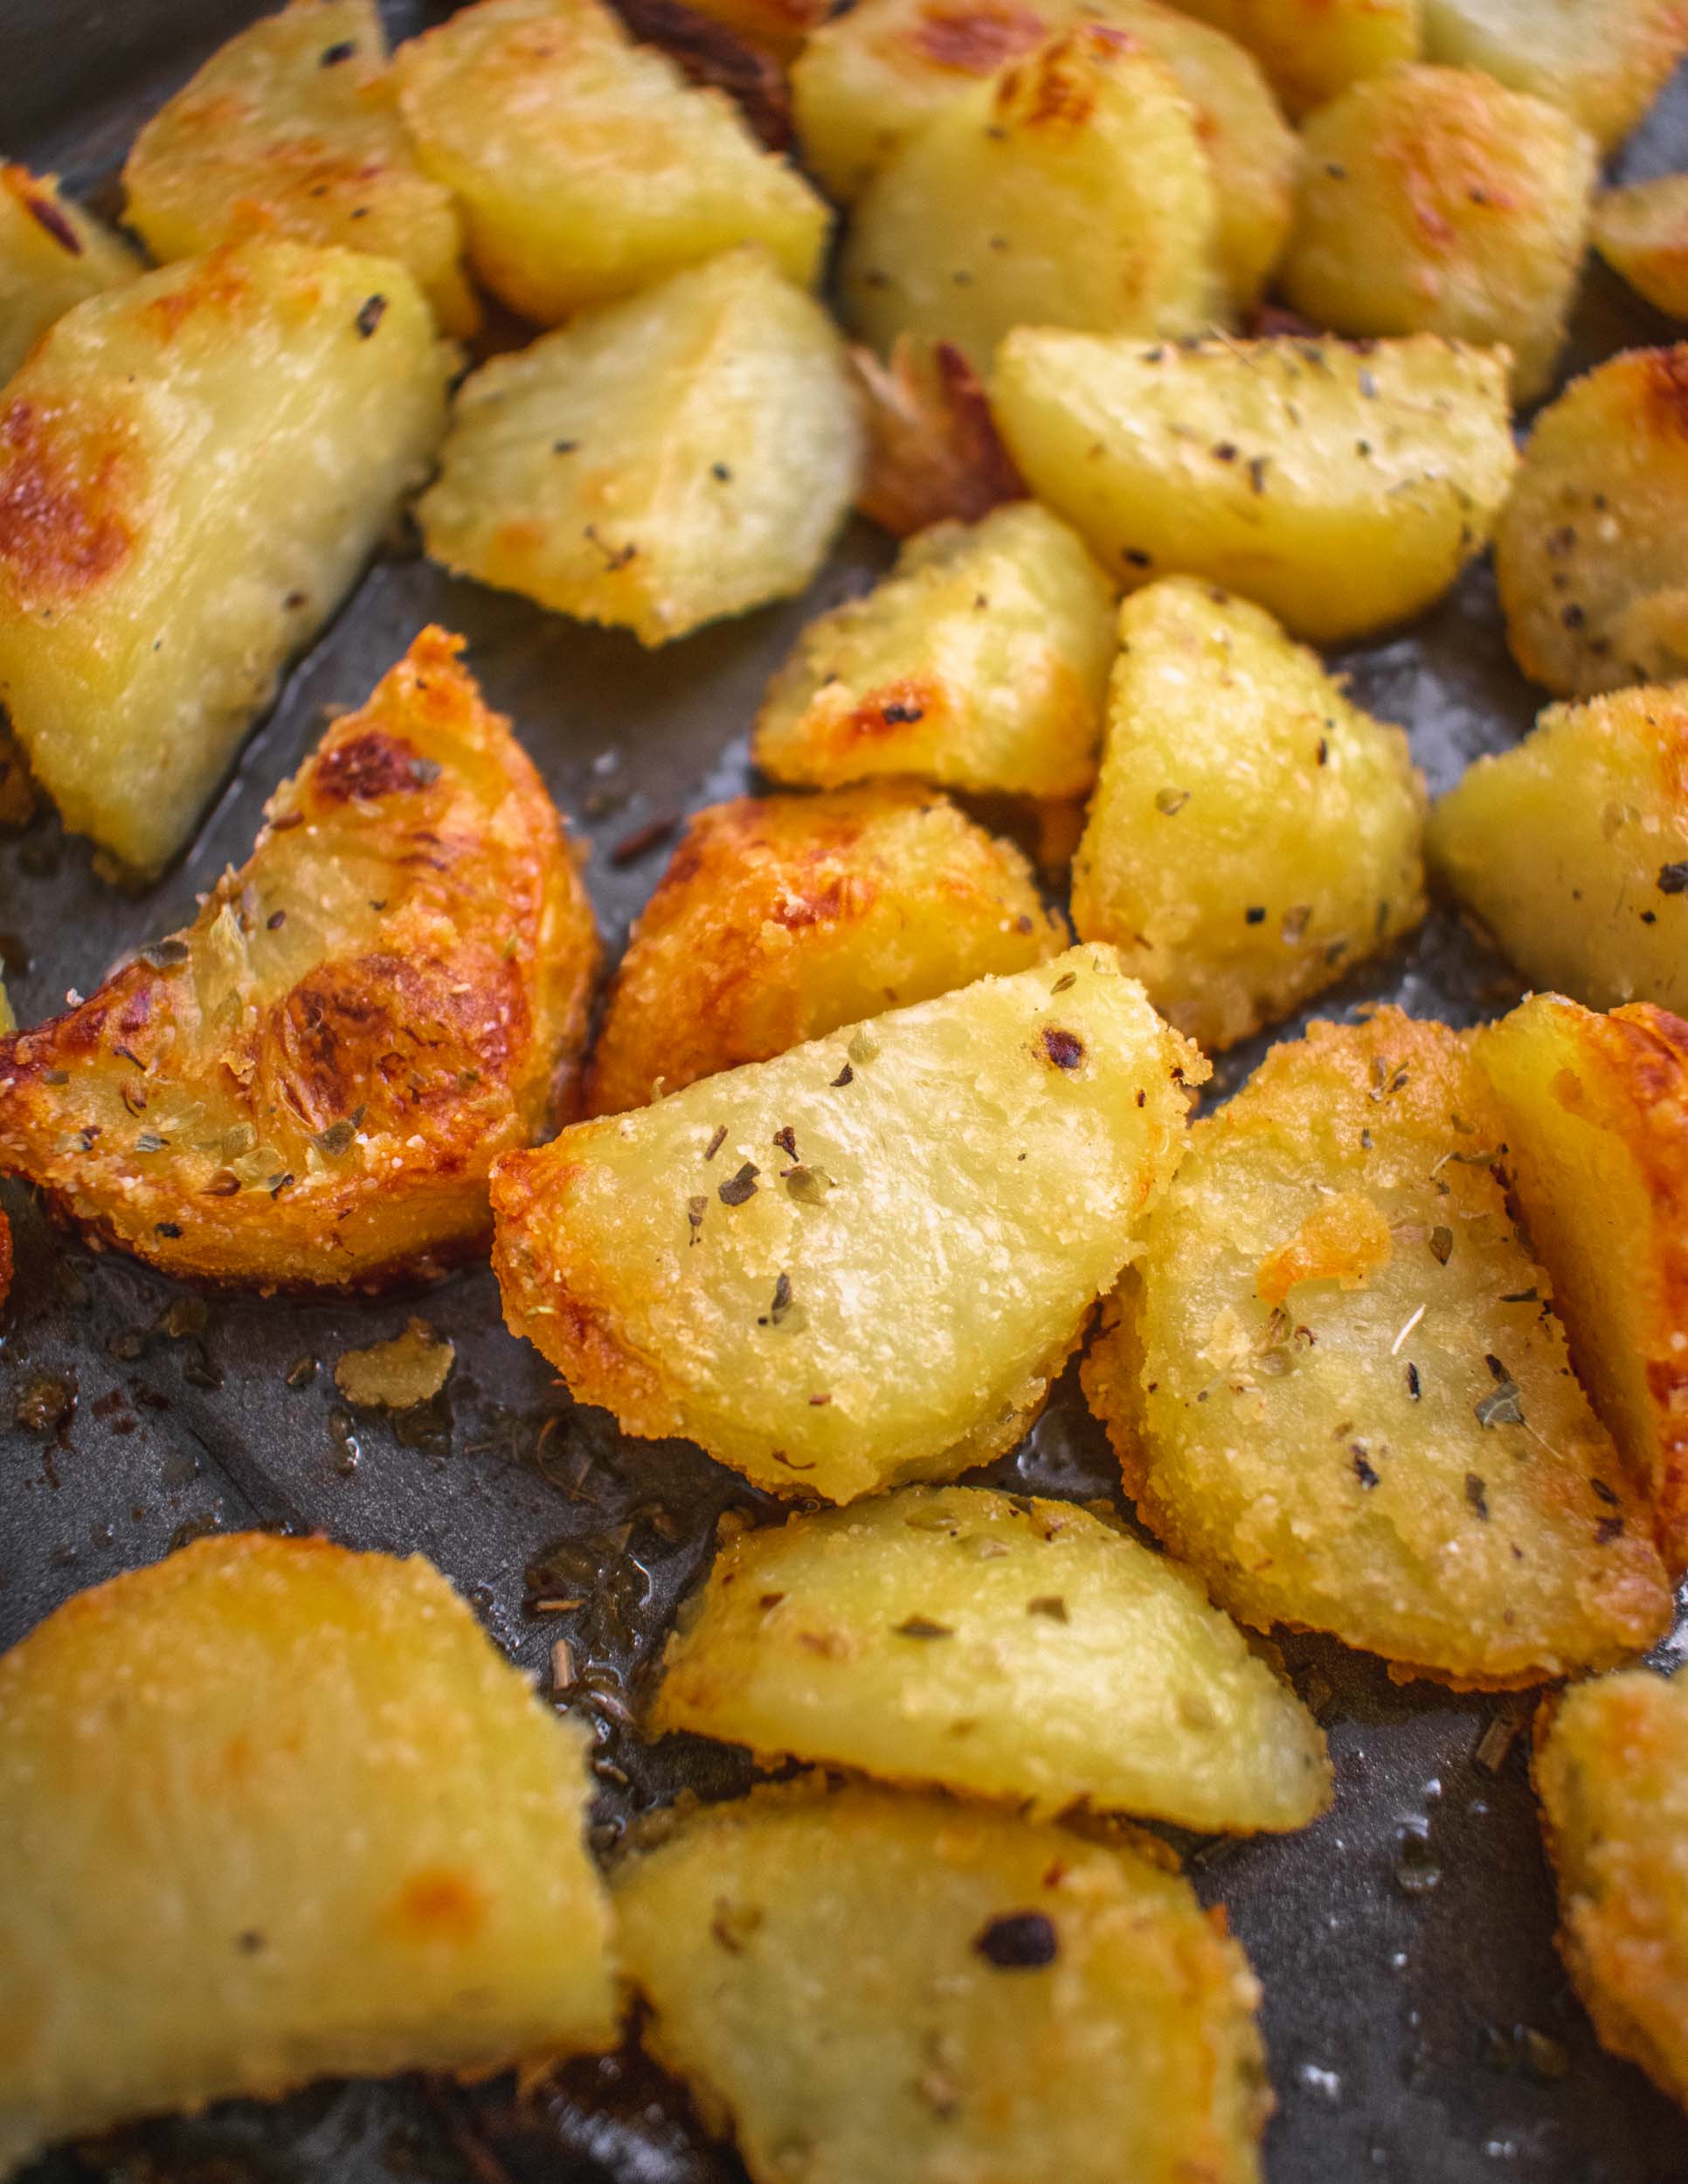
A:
933	449
707	52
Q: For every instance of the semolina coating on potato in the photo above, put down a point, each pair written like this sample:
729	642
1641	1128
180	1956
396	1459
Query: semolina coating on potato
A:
1603	61
307	1086
52	255
1252	834
780	918
1342	485
1313	49
1069	189
1595	1111
1612	1775
1435	201
686	453
980	662
992	1644
869	1989
292	128
285	1813
194	468
1641	232
585	165
1338	1388
863	1263
1572	848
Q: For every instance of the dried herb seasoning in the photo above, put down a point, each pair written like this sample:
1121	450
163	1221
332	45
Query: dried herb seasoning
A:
923	1626
1477	1494
1019	1941
1441	1245
717	1140
1049	1604
739	1188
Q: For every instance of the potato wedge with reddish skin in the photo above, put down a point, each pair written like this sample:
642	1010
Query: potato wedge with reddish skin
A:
1395	1449
1602	60
780	918
52	255
307	1086
1313	49
934	454
1641	232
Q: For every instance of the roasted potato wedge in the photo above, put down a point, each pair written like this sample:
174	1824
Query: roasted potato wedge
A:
1604	61
1342	486
586	167
1612	1773
286	1812
1435	201
307	1086
1572	848
980	662
1641	232
687	454
780	918
863	1263
1014	1648
1070	189
1595	1111
1313	49
52	255
292	128
879	1989
1338	1388
1254	835
193	470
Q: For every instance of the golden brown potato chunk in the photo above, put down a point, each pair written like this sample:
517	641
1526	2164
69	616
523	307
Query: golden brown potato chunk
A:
1342	485
1612	1773
309	1086
1338	1388
1069	189
1253	835
1433	201
1604	61
780	918
862	1262
1313	49
1015	1649
586	167
286	1812
1595	1111
869	1989
980	662
52	255
1572	848
1641	231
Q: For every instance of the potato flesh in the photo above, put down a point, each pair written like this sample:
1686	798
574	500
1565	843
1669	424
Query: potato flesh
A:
814	1969
586	166
899	1311
1253	835
52	255
286	1812
1603	61
980	662
1313	49
1641	232
1343	488
987	1644
687	454
1433	201
1070	189
780	918
1347	1461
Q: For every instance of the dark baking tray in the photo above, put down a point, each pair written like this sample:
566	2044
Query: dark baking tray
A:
1420	2026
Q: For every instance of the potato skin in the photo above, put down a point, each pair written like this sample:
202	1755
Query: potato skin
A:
1341	486
1433	201
816	1968
1331	1461
286	1812
1603	61
1313	49
1572	848
331	1076
780	918
1641	232
52	255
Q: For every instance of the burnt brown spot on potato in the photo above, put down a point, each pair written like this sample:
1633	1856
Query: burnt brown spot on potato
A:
367	766
901	704
63	483
1065	1049
1057	90
975	41
46	214
440	1906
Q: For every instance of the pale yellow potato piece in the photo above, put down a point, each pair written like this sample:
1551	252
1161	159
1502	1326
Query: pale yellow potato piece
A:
1070	189
1604	61
1254	835
1612	1775
194	468
868	1988
285	1813
1435	201
1339	1390
863	1263
1342	486
52	255
985	1642
1313	49
1641	231
1572	848
1596	1117
780	918
659	462
586	166
980	662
